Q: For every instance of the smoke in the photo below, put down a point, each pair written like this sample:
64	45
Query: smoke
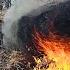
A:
19	9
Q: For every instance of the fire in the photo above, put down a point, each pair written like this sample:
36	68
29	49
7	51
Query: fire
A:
56	48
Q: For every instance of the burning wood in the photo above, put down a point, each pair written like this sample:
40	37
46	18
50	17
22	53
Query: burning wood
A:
57	49
23	44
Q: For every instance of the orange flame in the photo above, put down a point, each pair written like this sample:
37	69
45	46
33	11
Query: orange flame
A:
56	48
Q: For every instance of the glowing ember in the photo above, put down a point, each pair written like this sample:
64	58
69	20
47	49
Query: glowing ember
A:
56	49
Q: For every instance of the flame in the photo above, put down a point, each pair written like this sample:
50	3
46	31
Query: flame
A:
56	49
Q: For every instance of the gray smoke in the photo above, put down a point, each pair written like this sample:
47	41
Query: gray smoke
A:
21	8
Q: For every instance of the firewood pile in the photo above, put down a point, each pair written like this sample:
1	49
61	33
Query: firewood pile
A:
17	61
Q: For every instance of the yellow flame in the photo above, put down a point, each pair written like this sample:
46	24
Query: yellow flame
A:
57	50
